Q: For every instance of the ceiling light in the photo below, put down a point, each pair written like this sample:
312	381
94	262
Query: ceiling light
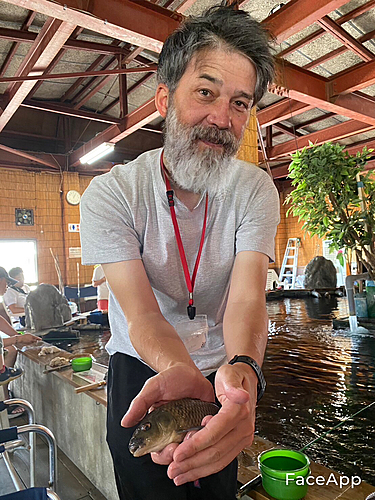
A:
97	153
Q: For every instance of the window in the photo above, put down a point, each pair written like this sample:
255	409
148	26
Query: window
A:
20	253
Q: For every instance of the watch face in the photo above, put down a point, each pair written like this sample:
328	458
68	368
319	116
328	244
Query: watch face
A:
73	197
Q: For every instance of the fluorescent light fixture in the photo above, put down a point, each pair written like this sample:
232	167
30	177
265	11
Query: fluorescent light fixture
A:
97	153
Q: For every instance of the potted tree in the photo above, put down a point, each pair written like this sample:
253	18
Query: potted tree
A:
335	198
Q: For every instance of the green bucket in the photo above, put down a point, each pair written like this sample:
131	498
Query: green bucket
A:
284	473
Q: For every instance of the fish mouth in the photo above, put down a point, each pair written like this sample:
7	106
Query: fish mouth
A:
137	447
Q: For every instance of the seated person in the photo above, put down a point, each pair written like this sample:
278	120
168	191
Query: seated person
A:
99	281
7	372
15	296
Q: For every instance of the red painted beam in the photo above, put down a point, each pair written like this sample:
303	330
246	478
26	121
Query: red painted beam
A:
338	51
28	156
80	99
345	38
142	24
353	14
132	122
312	89
356	79
334	133
54	63
65	110
288	130
297	15
25	26
280	111
29	37
58	76
131	89
47	44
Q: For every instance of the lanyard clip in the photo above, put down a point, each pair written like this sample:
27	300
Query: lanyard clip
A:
191	311
170	198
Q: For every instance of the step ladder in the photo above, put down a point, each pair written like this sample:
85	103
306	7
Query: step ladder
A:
290	261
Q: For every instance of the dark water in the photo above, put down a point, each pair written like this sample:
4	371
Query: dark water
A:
316	377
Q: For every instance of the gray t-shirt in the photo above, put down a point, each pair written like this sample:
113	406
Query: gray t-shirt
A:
125	215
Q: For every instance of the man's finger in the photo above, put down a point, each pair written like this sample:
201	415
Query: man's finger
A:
165	456
138	408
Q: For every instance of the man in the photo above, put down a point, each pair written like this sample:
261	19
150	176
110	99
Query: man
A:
211	71
100	282
15	296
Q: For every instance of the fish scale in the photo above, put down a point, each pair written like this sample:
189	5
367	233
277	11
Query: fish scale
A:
189	412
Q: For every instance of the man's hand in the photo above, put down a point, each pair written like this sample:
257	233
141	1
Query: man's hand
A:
225	434
179	381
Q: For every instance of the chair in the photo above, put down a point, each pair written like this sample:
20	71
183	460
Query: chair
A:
10	440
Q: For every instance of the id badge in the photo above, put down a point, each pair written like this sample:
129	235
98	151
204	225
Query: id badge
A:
193	332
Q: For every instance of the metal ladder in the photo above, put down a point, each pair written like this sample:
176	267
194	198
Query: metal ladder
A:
290	261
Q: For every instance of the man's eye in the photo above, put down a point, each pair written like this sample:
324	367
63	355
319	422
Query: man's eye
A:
204	92
242	104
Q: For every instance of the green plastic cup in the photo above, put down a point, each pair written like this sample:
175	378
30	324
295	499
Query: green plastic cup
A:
284	473
81	364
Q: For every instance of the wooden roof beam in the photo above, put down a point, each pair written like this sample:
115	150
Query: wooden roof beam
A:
25	26
346	39
47	44
357	78
334	133
138	22
301	85
353	14
280	111
28	156
297	15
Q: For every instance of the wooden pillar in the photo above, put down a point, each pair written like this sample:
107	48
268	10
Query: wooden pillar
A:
249	146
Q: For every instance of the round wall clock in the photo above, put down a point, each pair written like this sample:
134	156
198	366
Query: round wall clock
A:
73	197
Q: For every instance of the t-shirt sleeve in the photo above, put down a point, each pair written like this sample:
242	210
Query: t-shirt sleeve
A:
10	297
257	229
106	226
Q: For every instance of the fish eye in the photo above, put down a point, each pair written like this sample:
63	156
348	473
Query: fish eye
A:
146	427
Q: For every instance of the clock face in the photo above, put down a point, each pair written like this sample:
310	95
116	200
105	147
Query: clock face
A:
73	197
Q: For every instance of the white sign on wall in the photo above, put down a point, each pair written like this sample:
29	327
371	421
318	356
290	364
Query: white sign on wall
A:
73	228
74	252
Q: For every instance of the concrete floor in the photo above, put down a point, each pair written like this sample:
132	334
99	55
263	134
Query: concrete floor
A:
71	483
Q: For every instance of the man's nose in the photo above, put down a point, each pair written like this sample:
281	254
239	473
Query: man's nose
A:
220	115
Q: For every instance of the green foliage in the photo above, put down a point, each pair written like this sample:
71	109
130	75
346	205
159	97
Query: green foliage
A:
326	197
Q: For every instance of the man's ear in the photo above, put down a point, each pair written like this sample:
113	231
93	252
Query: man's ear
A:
161	99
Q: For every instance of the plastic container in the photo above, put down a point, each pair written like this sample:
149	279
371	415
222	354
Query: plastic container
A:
81	364
360	302
280	471
370	296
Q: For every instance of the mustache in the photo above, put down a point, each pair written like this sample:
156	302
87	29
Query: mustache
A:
214	135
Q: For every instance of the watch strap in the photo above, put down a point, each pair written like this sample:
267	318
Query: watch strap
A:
261	386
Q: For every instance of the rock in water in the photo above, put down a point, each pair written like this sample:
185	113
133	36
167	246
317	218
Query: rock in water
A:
320	273
46	308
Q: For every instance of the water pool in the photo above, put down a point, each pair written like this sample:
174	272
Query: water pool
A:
316	377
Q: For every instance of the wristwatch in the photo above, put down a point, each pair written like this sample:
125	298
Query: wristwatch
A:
254	365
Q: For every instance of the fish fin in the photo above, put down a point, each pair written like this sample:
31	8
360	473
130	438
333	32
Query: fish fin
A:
185	431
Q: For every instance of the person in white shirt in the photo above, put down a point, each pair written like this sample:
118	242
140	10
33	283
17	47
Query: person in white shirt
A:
99	281
15	296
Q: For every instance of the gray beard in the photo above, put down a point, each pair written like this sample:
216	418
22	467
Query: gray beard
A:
191	168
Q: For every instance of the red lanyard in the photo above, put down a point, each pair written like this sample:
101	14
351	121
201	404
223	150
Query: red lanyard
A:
189	282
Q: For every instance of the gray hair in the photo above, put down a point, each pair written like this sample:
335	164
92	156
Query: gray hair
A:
220	26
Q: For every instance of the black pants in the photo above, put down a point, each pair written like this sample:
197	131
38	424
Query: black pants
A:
140	478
